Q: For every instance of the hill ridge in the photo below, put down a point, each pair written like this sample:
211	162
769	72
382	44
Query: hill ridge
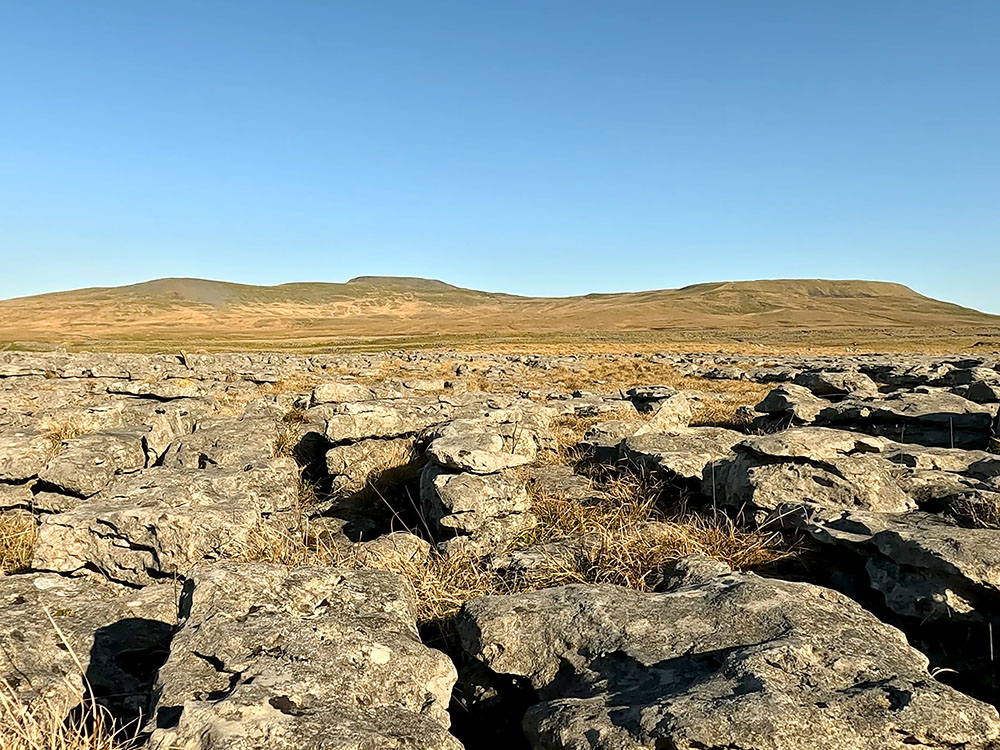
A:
411	308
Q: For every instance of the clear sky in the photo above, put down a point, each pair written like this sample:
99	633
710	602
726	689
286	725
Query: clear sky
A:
530	146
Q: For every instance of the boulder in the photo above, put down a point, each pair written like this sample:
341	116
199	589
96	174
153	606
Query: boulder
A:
482	449
270	657
837	384
682	455
723	660
379	463
809	465
933	419
791	405
475	514
924	566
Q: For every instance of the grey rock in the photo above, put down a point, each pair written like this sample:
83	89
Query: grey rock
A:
23	453
791	404
481	449
232	443
723	661
85	465
681	455
475	514
106	627
933	419
162	522
831	383
809	465
378	463
282	659
924	566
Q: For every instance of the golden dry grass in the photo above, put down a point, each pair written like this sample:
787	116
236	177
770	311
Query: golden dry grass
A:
385	314
629	537
17	542
44	726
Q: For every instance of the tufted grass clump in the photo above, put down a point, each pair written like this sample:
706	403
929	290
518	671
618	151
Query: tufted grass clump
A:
17	542
628	536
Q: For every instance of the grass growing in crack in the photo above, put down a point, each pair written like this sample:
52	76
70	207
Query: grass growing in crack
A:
976	512
626	538
17	542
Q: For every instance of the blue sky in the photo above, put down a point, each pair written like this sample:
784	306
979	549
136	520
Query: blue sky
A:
537	147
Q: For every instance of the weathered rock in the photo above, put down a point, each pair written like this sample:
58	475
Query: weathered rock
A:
118	635
671	414
809	465
681	455
23	453
275	658
161	390
162	522
833	384
16	496
374	462
924	566
85	465
470	447
333	393
475	514
723	661
791	405
232	443
932	419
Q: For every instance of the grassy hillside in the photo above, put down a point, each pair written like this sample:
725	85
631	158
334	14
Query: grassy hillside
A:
390	312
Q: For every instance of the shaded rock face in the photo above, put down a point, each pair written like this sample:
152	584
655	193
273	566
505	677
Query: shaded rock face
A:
120	636
923	566
811	465
475	514
721	661
273	657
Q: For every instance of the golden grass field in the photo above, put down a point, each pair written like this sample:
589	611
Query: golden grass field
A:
380	313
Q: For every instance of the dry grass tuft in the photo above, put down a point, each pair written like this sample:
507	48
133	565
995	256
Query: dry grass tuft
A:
441	584
976	512
44	727
285	441
629	538
17	542
58	431
568	430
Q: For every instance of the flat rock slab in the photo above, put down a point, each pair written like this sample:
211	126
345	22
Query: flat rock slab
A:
85	465
23	453
680	455
723	660
162	522
270	657
833	468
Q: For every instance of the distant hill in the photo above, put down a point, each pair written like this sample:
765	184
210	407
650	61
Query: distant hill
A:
168	313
